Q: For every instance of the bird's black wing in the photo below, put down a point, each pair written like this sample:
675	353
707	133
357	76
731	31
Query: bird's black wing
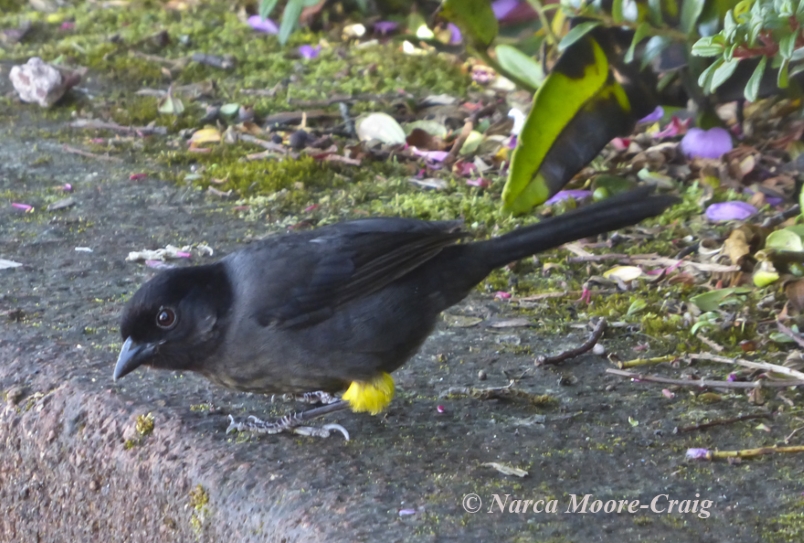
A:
351	260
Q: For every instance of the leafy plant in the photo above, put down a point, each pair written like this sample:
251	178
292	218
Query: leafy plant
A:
769	30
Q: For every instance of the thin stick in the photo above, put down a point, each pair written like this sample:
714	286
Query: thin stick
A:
93	124
572	353
73	150
790	333
719	422
706	454
748	364
703	383
646	361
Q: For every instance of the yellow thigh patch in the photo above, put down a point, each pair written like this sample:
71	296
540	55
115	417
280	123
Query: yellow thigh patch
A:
370	396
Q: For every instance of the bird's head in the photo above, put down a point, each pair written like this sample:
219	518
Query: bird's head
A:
174	319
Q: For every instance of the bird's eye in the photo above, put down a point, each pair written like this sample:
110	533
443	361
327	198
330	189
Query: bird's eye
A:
166	318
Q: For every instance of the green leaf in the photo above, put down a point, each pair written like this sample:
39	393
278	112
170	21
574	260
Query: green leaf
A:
712	300
752	87
722	73
708	47
636	306
576	34
475	18
705	79
690	12
654	48
782	80
290	18
655	12
787	44
518	63
642	31
577	78
266	7
784	240
617	11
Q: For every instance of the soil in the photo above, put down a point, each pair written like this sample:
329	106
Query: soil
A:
74	467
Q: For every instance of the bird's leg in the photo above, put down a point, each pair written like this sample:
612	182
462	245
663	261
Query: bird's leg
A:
312	398
293	423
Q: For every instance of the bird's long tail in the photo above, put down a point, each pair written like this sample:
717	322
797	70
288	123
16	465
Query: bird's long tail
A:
616	212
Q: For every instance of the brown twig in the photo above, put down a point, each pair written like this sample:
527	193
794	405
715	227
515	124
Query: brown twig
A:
770	222
703	383
646	361
499	393
271	146
790	333
572	353
748	364
94	124
74	151
719	422
706	454
459	141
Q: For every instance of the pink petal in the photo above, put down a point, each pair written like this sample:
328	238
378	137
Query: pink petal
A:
137	176
712	143
183	254
455	37
668	394
24	207
674	128
654	116
730	211
479	182
578	195
440	408
159	265
697	454
438	156
308	51
385	27
263	25
502	295
501	8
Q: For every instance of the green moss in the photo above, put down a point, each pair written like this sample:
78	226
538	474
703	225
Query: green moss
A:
199	505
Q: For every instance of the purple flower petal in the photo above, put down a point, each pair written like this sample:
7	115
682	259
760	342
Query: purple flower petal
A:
697	454
263	25
406	512
712	143
730	211
437	156
24	207
159	265
455	37
565	194
502	8
657	114
308	51
479	182
385	27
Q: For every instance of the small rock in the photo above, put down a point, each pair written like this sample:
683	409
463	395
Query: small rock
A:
481	375
39	82
599	349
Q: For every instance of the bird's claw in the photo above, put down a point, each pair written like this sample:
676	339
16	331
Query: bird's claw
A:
310	398
289	423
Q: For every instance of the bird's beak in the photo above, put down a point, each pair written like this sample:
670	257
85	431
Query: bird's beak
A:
132	356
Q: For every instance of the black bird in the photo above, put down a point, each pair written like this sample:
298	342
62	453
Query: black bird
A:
336	308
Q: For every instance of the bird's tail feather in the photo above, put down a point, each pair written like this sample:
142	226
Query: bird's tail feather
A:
613	213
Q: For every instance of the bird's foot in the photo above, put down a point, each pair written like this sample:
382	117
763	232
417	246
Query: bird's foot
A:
294	424
319	397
